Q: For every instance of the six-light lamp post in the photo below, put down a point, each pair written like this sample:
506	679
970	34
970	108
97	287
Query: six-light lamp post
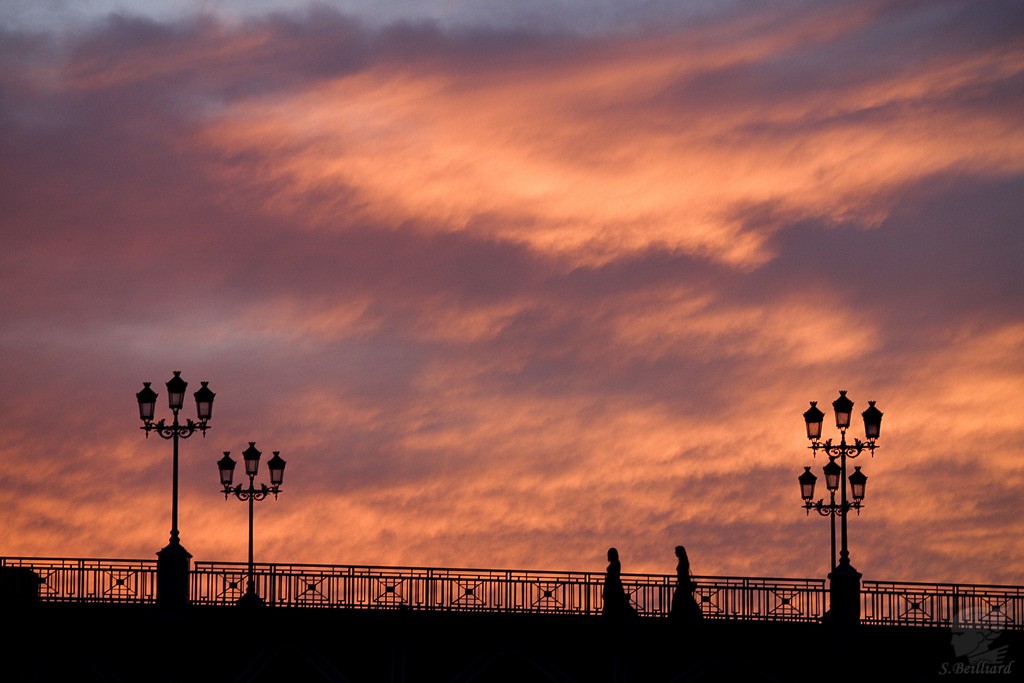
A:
844	579
252	494
172	574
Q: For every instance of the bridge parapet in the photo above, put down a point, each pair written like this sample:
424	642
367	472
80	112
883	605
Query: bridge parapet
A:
111	581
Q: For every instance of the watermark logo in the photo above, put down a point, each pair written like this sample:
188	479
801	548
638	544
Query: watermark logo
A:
977	645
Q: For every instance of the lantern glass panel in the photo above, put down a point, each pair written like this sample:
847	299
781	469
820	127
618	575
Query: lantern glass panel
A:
807	481
833	473
858	481
226	465
813	418
872	421
252	459
147	402
176	391
204	402
843	407
276	465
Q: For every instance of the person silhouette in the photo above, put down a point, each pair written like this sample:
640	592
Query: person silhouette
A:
684	606
616	602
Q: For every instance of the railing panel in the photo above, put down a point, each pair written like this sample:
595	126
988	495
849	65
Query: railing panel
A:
98	581
761	599
919	604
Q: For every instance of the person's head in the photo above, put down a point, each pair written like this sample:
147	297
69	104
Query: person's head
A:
680	552
613	554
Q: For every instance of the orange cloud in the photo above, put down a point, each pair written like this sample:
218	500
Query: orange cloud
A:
591	160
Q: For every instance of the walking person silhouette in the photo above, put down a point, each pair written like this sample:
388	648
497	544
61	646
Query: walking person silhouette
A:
616	602
684	606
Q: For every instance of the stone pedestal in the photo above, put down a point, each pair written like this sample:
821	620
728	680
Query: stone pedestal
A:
844	595
173	565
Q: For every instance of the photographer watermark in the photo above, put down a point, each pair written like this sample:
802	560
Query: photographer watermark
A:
977	646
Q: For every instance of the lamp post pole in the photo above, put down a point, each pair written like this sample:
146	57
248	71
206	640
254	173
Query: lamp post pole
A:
173	560
844	579
251	494
830	509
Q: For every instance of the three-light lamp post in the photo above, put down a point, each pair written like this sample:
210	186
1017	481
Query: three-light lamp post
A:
252	494
172	574
844	579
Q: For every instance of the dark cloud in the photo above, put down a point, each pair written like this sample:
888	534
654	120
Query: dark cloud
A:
947	250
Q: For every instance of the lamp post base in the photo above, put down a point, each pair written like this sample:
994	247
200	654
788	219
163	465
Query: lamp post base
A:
844	595
172	576
251	600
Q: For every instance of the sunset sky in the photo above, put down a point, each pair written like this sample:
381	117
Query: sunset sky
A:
507	284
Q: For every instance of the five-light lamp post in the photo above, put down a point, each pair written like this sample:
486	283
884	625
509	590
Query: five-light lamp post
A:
252	494
844	579
172	574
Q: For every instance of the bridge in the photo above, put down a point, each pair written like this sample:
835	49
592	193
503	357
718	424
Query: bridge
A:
397	624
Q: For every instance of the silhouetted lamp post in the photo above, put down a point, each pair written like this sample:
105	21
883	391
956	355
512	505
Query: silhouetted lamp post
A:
226	465
844	579
173	560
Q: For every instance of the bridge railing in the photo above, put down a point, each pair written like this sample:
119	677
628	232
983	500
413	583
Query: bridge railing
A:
60	580
998	608
367	587
102	581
